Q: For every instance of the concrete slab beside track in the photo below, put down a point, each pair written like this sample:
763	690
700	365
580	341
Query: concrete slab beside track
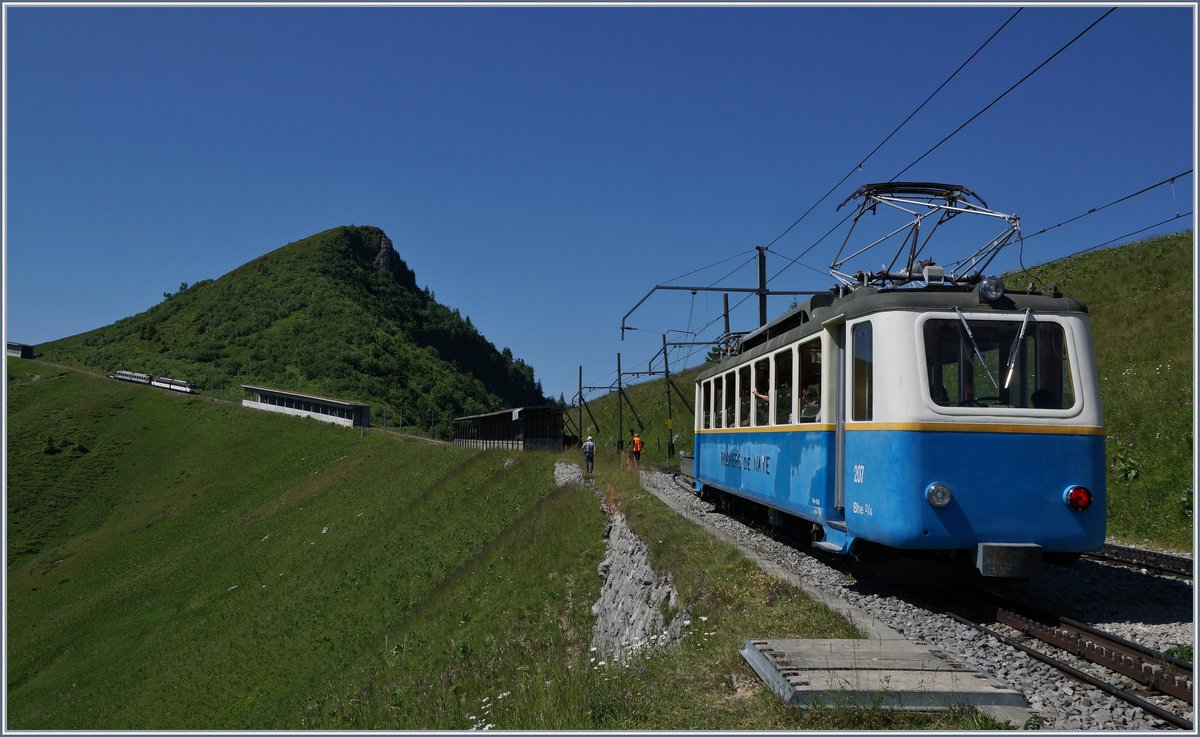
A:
891	673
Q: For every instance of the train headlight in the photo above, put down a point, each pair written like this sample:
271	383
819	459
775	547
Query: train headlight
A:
938	495
1077	498
991	288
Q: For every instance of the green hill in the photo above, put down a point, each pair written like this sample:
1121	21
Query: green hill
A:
1139	298
338	314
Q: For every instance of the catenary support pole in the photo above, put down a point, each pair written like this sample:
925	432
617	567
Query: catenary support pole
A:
620	408
667	387
762	285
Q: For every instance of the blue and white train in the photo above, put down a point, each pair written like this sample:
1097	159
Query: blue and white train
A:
949	418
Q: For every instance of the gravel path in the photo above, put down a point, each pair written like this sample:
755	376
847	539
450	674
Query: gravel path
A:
1154	611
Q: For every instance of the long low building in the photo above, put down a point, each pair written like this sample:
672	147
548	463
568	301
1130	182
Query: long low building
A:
337	411
523	428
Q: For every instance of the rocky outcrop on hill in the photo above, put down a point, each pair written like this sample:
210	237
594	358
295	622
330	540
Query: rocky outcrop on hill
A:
638	610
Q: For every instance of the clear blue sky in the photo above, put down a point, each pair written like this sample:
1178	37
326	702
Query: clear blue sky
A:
541	169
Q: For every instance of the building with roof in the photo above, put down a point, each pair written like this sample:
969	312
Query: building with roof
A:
523	428
337	411
19	350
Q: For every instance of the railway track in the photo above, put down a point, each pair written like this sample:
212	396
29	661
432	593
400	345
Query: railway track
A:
1153	672
1152	561
885	597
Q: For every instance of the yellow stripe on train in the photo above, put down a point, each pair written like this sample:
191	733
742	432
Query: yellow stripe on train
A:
920	427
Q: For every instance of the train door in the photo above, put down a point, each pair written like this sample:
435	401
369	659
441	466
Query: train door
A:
835	398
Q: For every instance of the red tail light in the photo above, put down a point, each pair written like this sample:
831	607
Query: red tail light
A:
1078	498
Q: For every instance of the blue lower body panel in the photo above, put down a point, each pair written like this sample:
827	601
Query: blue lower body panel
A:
1007	487
790	471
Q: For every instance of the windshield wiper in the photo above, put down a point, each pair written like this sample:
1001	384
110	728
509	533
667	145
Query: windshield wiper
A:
978	353
1012	354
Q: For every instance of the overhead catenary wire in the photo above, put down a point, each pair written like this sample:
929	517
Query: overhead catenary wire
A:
1127	235
1092	211
856	168
1169	180
896	130
1004	94
952	133
718	263
736	269
785	268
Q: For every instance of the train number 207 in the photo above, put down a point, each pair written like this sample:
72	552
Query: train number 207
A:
859	472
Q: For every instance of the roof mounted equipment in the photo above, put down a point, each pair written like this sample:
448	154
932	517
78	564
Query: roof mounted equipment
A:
921	200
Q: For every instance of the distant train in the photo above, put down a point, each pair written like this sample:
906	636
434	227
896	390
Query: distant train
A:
175	385
163	382
132	376
957	419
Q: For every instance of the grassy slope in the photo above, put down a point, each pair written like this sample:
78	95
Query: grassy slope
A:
123	610
1140	301
178	563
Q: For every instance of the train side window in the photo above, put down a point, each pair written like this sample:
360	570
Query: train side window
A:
862	372
810	381
785	411
761	389
1048	370
708	405
744	396
730	400
718	401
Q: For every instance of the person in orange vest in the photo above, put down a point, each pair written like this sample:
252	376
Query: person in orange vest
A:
636	446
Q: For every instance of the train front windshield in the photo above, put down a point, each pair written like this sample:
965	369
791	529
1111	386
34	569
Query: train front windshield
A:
1018	363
